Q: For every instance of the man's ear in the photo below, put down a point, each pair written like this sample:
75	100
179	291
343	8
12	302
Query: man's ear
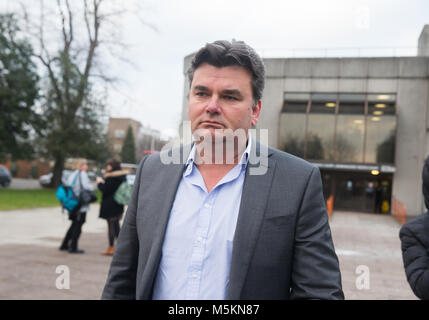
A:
256	111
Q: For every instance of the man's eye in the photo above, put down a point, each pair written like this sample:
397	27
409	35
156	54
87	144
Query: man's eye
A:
230	98
201	94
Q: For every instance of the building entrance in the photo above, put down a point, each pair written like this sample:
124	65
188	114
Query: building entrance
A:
358	191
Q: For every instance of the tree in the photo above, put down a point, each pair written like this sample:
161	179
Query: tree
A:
68	37
71	104
128	152
18	91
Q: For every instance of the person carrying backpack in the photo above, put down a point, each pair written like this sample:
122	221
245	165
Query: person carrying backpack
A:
110	209
79	182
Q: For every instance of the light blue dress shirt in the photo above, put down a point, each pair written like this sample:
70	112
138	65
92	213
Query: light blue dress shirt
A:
197	248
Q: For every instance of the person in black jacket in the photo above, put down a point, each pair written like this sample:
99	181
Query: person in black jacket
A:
414	237
110	209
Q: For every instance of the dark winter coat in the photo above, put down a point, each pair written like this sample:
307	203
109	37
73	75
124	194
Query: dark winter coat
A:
414	237
109	207
415	253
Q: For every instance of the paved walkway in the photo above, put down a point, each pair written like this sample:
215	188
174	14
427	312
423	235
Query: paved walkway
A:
370	242
29	255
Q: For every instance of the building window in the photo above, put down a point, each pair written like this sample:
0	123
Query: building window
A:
349	138
292	123
321	127
117	147
119	134
339	127
381	127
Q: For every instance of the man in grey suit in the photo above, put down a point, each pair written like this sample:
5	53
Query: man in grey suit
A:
209	228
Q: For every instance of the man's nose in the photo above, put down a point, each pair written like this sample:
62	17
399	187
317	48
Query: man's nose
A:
213	105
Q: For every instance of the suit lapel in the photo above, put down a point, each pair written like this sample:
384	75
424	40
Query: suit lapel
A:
162	198
254	199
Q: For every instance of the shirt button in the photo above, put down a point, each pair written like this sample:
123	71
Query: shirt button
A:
200	239
207	206
194	276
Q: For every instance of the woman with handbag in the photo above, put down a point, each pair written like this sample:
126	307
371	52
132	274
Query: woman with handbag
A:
84	192
110	209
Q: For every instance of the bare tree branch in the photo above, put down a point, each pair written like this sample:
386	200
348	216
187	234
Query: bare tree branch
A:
104	77
86	12
63	23
106	16
47	62
70	20
67	39
149	25
93	43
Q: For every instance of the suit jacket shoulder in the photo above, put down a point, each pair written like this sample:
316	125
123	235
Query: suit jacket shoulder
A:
291	162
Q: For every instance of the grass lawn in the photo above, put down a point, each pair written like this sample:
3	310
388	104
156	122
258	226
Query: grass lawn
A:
12	199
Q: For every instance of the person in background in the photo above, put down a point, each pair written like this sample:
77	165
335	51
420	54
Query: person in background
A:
414	237
110	209
79	181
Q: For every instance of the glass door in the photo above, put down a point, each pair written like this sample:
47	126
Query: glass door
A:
358	191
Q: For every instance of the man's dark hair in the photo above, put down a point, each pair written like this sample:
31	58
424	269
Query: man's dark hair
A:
223	53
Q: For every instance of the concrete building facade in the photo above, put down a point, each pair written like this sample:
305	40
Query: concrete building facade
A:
379	105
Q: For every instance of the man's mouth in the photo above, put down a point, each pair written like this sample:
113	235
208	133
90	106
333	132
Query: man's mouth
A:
213	124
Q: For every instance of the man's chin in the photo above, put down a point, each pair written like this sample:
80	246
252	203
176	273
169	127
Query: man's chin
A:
219	135
211	134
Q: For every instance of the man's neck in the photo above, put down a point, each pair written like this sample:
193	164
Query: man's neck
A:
213	171
219	155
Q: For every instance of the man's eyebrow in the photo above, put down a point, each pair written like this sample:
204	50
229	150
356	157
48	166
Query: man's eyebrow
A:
201	88
233	92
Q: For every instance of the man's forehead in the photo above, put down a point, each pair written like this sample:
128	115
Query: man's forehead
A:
229	75
209	68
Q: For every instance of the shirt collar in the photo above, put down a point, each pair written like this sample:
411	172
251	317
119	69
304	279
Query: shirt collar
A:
243	160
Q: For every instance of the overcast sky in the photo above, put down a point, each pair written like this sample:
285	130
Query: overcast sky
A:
151	90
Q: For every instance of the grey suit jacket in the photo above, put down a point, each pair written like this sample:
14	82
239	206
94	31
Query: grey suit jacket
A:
282	246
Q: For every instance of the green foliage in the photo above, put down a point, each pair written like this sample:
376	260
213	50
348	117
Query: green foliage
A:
128	152
14	199
18	91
